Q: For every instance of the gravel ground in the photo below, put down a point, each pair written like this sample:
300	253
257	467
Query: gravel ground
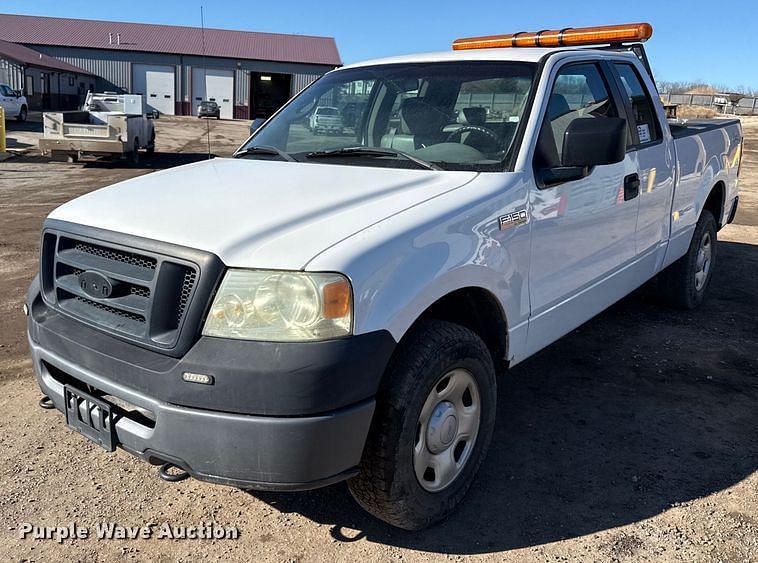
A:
635	438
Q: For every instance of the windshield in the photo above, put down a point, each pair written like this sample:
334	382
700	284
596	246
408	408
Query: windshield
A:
457	116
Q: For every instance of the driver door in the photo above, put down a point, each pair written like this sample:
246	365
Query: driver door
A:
583	231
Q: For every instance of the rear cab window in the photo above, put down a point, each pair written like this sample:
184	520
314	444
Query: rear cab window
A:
645	121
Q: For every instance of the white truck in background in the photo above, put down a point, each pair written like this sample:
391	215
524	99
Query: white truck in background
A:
326	308
109	126
14	103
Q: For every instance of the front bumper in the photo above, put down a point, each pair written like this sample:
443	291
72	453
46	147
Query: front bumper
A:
313	440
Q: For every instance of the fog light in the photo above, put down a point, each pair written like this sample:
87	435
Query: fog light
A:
197	378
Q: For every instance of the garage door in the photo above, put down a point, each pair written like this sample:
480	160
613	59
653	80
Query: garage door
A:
157	83
214	85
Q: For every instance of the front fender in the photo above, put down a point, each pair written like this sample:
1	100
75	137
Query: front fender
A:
404	264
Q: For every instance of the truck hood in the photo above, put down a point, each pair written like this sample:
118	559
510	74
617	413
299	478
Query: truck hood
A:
256	213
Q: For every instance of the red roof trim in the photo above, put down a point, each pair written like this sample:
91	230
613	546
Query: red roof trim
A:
30	57
124	36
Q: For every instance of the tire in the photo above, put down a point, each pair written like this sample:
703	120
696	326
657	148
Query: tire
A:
151	146
387	485
133	156
72	158
685	282
22	115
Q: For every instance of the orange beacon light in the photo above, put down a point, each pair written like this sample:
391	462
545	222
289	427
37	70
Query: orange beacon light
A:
572	36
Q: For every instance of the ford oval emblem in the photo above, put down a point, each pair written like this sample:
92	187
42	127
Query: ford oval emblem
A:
95	284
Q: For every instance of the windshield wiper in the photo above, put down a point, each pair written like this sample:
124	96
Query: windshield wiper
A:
265	149
372	151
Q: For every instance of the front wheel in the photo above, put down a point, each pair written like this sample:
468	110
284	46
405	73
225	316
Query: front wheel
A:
432	426
685	282
22	114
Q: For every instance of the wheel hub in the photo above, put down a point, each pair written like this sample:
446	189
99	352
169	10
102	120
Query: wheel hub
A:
703	261
447	430
443	426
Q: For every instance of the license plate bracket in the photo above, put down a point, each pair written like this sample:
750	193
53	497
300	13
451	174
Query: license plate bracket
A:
91	417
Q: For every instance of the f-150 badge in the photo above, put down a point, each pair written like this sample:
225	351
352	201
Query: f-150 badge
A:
512	219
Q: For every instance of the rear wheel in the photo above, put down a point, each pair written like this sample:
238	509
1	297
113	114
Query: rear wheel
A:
133	156
433	423
151	145
685	282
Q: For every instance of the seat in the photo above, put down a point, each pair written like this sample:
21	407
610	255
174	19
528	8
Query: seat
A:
473	116
557	106
420	126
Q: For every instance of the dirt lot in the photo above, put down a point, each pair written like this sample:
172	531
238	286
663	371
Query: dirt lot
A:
633	439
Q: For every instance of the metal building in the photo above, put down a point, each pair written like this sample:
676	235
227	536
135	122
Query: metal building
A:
249	74
45	81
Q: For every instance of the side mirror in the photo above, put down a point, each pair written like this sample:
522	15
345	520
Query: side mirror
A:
152	114
588	142
18	93
256	124
594	141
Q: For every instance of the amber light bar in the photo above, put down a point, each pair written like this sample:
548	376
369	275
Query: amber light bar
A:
569	37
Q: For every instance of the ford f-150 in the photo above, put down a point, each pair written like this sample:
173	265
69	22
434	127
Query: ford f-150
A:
325	308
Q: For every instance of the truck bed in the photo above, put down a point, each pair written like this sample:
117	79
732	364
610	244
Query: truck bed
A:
681	129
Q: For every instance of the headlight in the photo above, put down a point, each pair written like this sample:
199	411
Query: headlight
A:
281	306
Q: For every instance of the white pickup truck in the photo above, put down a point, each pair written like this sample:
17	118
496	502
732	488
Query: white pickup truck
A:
109	126
14	103
325	308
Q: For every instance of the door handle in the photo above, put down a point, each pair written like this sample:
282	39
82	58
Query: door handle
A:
631	186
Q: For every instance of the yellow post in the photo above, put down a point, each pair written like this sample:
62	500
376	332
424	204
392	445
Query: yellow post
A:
2	129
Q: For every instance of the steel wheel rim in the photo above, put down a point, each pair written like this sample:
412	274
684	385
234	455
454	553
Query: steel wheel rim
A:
447	429
703	261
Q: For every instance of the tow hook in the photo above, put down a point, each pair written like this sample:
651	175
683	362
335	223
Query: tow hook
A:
46	403
164	474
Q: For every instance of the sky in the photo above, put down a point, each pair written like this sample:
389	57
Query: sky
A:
693	40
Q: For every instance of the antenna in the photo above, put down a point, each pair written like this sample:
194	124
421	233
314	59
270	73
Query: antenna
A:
205	79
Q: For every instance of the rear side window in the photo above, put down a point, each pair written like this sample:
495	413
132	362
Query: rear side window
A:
645	120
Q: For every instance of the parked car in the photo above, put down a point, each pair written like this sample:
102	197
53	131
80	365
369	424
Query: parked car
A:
13	103
209	108
325	120
300	315
110	126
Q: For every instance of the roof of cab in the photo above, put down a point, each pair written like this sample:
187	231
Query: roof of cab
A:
530	54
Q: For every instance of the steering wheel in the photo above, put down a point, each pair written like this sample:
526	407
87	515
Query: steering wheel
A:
479	129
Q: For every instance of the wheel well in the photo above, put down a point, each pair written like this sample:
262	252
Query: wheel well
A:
715	202
478	310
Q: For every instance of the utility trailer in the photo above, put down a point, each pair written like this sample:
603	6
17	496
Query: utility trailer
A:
109	126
